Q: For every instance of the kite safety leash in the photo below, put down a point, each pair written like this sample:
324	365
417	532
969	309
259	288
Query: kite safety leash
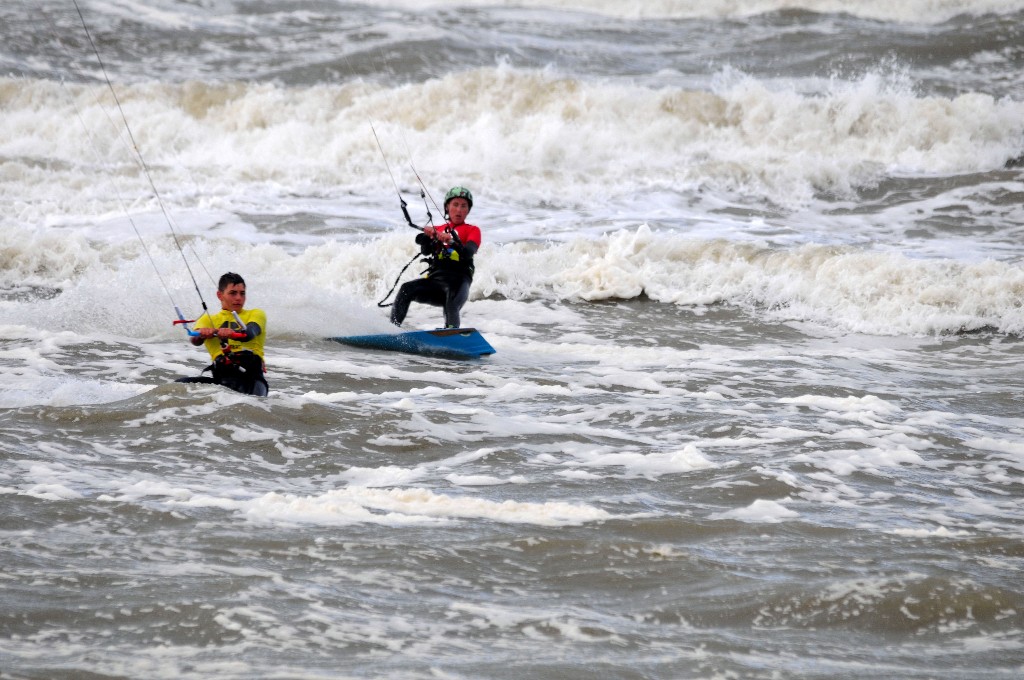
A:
384	301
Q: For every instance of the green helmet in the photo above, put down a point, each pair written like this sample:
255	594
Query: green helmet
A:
458	192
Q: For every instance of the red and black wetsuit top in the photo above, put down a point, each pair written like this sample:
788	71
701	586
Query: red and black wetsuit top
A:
457	257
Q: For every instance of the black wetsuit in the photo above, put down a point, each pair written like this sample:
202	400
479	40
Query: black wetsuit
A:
449	275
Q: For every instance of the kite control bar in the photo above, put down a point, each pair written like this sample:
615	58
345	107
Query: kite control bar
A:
182	321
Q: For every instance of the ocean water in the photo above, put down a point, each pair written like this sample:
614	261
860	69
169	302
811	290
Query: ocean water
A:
754	272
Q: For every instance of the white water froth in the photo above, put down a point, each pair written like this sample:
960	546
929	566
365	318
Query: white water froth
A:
524	137
909	11
354	504
760	511
419	505
330	289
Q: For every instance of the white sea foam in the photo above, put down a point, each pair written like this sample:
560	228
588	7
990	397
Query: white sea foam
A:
538	137
1014	448
843	288
80	241
173	15
868	404
938	532
760	511
910	11
868	460
29	389
484	480
384	476
399	506
649	465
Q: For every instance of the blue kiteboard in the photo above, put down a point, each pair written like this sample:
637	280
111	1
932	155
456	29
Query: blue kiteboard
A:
454	343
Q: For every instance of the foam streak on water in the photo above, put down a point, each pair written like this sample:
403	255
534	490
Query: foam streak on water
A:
753	275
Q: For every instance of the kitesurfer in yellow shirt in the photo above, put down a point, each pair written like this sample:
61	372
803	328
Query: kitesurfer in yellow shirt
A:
236	350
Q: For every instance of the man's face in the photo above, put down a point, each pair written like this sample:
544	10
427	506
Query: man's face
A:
458	208
232	298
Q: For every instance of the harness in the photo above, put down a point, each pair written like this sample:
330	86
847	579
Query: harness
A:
239	371
441	259
447	258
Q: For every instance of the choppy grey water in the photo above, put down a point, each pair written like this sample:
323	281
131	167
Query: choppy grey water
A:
752	272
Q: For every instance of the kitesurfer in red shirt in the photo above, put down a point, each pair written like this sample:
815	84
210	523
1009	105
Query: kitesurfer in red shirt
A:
449	250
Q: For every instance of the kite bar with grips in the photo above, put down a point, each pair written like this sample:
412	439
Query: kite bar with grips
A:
182	321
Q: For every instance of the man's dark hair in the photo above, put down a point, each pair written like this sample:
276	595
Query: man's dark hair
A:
229	279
